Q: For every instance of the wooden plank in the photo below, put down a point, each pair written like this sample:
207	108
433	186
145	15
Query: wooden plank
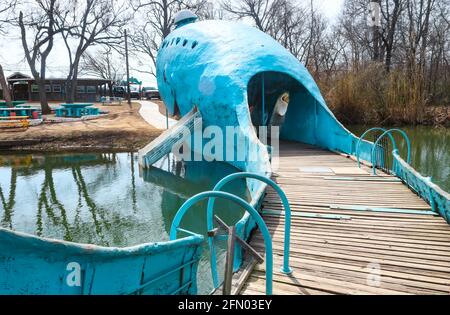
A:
334	238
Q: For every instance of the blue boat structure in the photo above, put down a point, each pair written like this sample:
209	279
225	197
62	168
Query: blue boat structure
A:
35	266
213	74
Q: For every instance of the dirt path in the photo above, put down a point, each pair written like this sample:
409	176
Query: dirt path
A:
122	130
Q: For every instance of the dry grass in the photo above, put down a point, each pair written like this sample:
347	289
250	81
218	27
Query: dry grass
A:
370	95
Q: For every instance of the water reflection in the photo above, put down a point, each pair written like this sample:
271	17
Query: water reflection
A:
8	204
106	199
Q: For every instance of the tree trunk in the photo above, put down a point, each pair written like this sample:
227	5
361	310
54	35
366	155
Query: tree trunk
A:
4	85
388	61
71	90
69	93
72	79
43	97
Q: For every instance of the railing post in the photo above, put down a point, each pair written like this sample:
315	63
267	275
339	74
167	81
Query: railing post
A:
389	133
362	138
227	282
253	213
286	269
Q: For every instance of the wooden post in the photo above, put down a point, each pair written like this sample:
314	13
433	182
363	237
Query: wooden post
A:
227	282
128	69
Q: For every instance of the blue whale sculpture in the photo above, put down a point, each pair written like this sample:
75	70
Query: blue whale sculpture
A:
229	70
235	75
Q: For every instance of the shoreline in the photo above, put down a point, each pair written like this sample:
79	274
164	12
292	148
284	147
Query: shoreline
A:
123	130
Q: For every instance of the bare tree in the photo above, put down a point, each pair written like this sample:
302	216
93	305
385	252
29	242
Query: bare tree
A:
103	65
39	24
5	87
5	9
391	11
89	23
158	16
260	11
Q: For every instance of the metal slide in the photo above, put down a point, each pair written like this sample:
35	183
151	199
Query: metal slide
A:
163	145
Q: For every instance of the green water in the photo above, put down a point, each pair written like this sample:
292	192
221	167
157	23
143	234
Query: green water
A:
430	151
105	199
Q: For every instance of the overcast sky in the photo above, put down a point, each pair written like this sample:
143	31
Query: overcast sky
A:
11	54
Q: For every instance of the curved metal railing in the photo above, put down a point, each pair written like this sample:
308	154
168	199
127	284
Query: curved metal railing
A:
374	146
210	217
394	145
438	199
358	144
175	227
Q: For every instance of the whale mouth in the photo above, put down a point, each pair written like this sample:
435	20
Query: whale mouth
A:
269	95
278	99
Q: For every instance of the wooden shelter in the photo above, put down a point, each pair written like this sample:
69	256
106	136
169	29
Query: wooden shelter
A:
24	87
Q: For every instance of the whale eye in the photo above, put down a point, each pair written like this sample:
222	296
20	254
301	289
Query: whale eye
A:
185	42
194	44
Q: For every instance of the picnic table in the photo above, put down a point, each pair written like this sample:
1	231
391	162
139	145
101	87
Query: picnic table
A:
77	110
22	111
14	103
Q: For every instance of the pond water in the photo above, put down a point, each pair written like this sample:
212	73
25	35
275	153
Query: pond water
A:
105	199
430	151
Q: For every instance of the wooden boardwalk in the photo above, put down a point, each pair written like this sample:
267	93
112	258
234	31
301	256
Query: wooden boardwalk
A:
348	250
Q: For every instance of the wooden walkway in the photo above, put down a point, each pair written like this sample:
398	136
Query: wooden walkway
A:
348	250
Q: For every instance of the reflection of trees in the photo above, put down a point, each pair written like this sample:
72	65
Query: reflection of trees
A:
8	206
48	202
133	185
96	212
52	208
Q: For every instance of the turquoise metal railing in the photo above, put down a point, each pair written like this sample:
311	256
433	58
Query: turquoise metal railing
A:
358	144
210	219
438	199
374	146
394	145
175	228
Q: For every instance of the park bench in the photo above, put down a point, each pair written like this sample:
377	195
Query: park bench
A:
111	101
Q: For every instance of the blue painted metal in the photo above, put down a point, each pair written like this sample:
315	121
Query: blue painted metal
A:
438	199
389	133
250	210
210	219
33	265
357	151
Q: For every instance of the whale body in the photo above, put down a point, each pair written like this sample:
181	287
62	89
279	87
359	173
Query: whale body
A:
235	74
